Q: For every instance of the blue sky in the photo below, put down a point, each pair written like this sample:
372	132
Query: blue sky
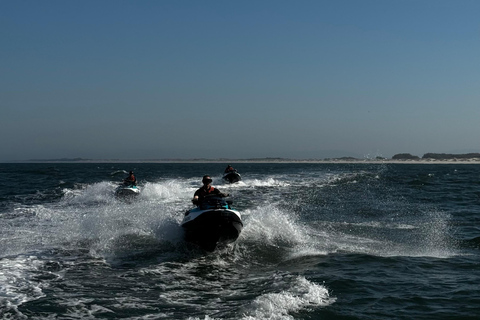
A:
238	79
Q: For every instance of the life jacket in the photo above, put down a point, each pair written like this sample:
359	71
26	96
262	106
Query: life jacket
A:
210	190
202	192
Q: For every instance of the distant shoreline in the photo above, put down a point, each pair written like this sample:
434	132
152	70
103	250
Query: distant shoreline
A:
401	158
266	160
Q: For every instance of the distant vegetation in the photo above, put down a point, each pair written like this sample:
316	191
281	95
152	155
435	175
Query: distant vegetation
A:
405	156
437	156
449	156
399	156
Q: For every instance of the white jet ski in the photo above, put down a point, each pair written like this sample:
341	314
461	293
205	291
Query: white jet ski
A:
213	223
127	191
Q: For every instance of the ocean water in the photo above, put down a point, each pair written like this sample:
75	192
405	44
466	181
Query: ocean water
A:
320	241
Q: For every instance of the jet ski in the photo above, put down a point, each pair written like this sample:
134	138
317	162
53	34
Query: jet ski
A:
129	190
213	223
232	176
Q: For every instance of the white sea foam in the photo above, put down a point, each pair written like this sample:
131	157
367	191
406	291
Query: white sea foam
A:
273	225
16	283
92	213
166	191
302	294
270	182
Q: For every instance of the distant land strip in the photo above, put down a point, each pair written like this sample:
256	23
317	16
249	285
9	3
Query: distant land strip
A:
398	158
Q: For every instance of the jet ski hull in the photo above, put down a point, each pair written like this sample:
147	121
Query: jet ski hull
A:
210	228
232	177
127	191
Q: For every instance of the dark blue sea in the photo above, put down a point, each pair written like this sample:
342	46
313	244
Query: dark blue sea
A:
320	241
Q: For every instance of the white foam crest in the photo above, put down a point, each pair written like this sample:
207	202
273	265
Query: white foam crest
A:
70	193
97	192
270	182
206	318
16	285
273	225
169	190
107	223
25	232
301	295
142	220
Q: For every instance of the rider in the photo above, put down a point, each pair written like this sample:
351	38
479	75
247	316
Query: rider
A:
130	180
206	190
229	169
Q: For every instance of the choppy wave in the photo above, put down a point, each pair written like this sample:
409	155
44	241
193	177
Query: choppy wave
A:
301	294
81	236
18	283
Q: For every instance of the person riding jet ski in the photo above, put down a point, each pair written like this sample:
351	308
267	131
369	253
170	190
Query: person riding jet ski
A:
130	180
206	190
229	169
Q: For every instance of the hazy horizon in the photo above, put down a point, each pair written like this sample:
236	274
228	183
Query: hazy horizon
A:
217	79
233	160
